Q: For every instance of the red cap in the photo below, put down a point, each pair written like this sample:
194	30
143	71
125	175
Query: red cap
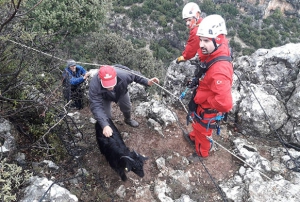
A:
108	76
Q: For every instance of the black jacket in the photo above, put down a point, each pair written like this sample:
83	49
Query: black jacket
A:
97	93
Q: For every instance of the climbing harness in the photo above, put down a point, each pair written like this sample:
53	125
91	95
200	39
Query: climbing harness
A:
201	69
213	123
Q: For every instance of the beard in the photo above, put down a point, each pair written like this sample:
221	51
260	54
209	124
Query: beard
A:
204	51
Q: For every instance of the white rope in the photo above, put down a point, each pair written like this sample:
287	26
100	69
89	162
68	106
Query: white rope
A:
95	64
211	140
36	50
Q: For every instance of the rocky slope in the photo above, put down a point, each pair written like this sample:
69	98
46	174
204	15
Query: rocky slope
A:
250	161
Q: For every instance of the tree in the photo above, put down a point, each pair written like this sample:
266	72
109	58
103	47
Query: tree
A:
31	61
235	45
67	16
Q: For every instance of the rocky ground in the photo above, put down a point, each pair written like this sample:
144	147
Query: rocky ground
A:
102	182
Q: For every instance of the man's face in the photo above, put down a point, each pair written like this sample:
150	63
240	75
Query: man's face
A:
206	45
190	22
73	68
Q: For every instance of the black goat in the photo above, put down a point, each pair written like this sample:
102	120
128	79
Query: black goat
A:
120	158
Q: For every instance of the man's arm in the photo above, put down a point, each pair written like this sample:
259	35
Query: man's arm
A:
74	80
96	102
83	72
192	45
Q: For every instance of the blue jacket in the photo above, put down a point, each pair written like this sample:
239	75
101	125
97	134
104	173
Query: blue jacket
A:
97	93
75	78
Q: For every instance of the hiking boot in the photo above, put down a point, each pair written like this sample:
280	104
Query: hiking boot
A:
194	158
130	121
187	137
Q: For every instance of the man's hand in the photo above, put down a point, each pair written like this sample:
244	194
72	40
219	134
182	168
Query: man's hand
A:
107	131
190	118
153	80
180	59
86	75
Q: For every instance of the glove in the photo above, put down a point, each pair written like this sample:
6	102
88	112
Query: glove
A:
189	118
180	59
192	82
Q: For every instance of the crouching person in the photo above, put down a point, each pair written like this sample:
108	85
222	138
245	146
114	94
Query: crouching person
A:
110	85
74	76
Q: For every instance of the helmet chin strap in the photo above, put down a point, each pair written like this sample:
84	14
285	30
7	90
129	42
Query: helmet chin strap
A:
215	44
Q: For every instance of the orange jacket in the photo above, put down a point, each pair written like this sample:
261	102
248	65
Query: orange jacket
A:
214	90
192	44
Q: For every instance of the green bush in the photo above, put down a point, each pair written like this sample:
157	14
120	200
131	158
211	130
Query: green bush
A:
167	11
248	51
76	16
162	21
12	177
235	46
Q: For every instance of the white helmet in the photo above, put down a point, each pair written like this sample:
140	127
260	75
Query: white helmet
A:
212	26
190	10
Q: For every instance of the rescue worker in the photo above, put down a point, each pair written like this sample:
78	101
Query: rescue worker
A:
191	14
74	75
212	98
110	84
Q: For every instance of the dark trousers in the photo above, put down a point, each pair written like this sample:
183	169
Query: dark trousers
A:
124	104
77	95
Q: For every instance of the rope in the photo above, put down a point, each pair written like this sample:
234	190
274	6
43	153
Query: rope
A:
207	171
95	64
297	169
36	50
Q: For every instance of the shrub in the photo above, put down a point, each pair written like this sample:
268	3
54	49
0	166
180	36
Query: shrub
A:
12	177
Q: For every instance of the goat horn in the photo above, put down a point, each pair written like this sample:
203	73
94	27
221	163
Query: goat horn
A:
127	157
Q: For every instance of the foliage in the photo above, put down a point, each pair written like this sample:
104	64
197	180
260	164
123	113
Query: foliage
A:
235	46
137	43
111	48
12	177
67	16
253	31
30	79
247	51
163	12
30	96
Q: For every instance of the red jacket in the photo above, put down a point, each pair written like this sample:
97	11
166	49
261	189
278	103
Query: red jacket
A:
192	44
214	90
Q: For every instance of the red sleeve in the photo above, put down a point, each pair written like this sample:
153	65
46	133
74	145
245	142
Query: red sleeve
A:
192	45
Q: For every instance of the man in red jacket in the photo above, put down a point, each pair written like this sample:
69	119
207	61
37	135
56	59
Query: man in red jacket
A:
213	95
191	15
